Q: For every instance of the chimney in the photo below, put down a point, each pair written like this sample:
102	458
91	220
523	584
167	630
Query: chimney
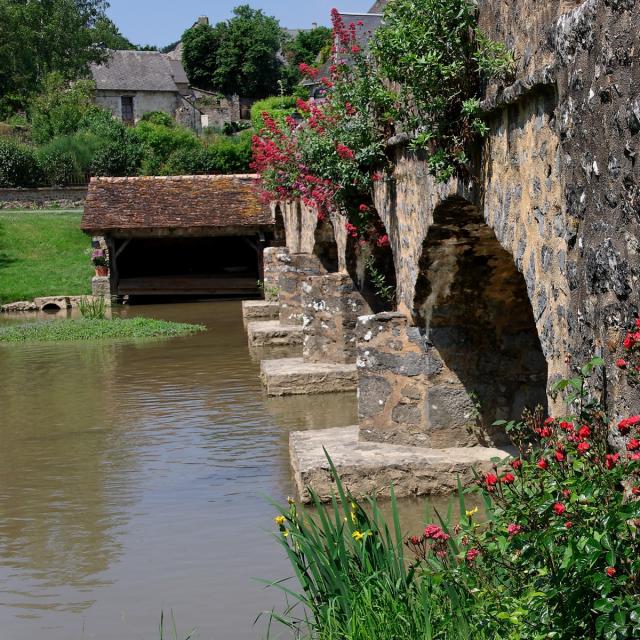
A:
203	20
314	25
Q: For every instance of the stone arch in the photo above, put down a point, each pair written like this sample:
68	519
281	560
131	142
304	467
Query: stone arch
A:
51	307
381	259
325	247
473	306
279	230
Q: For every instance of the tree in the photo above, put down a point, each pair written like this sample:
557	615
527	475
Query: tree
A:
306	48
200	55
237	56
44	36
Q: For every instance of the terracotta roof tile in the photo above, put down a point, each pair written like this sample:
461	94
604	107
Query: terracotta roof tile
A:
174	202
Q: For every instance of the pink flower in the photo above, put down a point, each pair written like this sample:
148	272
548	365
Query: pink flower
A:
472	554
514	529
621	363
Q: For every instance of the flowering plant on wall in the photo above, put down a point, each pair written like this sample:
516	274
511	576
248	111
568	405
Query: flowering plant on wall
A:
331	159
630	362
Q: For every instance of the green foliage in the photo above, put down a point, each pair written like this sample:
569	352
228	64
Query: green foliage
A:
199	54
438	63
239	56
67	159
222	155
555	554
38	38
354	578
278	107
18	165
93	307
383	289
42	253
307	47
86	329
60	108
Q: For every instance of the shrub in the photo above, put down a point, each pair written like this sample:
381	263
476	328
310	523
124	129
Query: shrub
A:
278	107
67	159
18	165
438	64
59	110
556	555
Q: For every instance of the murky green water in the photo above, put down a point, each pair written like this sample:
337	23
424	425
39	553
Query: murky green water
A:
133	479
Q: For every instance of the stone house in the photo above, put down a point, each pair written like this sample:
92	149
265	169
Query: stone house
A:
132	83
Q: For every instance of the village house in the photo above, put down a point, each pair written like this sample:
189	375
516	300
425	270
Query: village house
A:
132	83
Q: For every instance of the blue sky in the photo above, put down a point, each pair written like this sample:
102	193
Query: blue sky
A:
160	22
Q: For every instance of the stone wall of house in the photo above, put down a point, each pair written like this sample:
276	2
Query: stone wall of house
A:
143	102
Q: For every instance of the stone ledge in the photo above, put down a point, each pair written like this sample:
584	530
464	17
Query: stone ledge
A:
270	333
369	468
295	376
260	309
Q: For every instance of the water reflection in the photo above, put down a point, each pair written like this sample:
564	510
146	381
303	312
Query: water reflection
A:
133	478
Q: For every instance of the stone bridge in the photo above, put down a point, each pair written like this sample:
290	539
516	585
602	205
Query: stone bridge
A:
505	280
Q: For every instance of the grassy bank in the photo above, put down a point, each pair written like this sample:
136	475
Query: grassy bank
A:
42	253
85	329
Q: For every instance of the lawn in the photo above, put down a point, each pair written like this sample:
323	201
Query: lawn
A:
43	253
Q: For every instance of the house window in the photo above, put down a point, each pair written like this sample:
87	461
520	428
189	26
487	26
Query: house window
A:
127	109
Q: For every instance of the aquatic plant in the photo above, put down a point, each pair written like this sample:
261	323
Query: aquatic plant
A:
93	308
86	329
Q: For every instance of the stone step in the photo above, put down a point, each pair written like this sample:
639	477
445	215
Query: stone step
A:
295	376
270	333
370	468
260	310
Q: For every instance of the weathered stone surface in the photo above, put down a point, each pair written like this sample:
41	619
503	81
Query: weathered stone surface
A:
295	271
331	305
52	303
22	305
101	286
370	468
271	333
294	376
260	309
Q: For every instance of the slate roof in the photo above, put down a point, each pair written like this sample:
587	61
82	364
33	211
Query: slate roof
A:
139	71
174	202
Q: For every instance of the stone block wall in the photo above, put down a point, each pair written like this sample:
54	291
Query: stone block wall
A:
331	307
274	260
296	269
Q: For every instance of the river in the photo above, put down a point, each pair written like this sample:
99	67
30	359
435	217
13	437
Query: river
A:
134	479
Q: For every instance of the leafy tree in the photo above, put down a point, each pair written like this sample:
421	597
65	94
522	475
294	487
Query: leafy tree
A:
60	108
237	56
44	36
200	55
307	46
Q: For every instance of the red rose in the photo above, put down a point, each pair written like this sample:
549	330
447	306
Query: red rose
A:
491	480
542	464
635	491
545	432
516	464
560	457
566	426
566	493
508	478
611	459
584	432
559	508
583	447
568	524
633	444
610	571
621	363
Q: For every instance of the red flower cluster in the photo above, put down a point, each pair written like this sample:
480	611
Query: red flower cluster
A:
433	540
631	364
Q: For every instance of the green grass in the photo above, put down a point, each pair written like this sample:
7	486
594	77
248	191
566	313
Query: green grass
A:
84	329
43	253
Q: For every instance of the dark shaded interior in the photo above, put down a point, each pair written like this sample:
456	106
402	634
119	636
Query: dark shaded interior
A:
187	265
474	307
325	246
374	273
279	233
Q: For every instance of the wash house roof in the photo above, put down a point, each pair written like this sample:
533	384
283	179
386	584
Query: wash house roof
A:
139	71
175	203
